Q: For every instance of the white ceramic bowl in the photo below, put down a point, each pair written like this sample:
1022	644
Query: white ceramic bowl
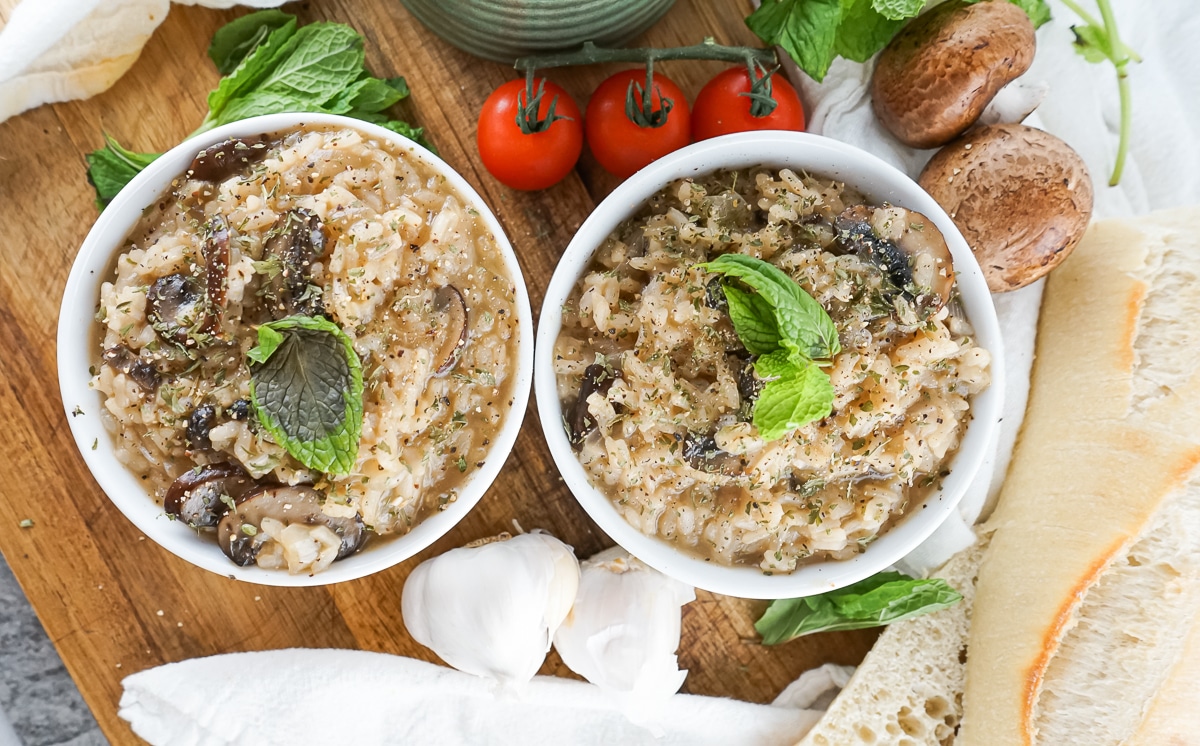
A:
78	349
880	182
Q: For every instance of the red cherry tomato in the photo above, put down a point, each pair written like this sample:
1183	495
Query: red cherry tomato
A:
536	160
723	107
621	145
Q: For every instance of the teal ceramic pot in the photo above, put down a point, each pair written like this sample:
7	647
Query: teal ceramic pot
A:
504	30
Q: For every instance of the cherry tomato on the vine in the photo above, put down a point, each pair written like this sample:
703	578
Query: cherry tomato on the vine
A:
623	145
546	153
724	105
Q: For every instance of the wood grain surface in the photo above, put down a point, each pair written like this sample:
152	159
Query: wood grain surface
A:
113	601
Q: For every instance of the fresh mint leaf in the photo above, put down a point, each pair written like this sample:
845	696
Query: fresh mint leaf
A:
753	320
806	29
1092	42
864	31
112	167
253	69
878	600
804	326
307	389
268	341
234	41
801	393
898	10
375	94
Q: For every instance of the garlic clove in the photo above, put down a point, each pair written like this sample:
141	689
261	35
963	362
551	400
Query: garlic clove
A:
623	631
492	610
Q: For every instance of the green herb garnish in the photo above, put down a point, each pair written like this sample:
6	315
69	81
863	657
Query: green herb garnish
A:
306	386
813	32
878	600
790	332
271	66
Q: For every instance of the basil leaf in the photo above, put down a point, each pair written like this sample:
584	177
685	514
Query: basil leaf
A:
799	395
878	600
806	29
237	39
804	326
753	320
306	389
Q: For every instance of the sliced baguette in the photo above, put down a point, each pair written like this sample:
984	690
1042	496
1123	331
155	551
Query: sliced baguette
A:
909	688
1091	583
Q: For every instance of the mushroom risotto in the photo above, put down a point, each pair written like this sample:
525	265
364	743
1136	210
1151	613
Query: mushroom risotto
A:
660	390
308	339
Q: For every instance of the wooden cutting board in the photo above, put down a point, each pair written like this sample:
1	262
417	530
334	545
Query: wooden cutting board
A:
113	601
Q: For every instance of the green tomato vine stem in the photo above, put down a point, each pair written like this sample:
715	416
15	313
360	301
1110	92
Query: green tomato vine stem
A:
590	54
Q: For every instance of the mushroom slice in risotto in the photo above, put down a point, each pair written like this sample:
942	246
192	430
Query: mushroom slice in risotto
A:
906	245
262	521
200	497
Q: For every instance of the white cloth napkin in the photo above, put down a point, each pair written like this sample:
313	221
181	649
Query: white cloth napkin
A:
1081	107
296	697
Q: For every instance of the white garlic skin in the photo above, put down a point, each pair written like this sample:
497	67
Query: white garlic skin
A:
623	631
492	610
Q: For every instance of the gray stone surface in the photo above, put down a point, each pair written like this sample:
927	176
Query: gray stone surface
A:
36	693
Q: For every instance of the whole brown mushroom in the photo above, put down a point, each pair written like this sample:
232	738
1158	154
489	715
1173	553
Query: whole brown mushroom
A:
1021	197
936	77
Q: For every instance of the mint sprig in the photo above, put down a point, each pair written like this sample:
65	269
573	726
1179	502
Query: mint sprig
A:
814	32
790	332
272	65
306	387
878	600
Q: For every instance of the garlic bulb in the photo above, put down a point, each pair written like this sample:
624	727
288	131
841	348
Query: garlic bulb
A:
492	609
623	631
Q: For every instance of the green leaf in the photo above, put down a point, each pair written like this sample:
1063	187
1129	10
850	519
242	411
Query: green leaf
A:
375	94
864	31
898	10
234	41
806	29
804	326
753	319
112	167
799	395
1092	42
307	391
321	60
254	68
416	134
268	341
878	600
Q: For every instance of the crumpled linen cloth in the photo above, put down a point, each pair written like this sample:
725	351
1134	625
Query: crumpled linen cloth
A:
1081	107
297	696
59	50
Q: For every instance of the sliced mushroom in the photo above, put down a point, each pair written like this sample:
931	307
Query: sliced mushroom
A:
201	496
239	410
175	308
240	531
906	245
125	360
218	162
448	303
702	453
216	272
295	242
200	421
938	74
1021	197
597	378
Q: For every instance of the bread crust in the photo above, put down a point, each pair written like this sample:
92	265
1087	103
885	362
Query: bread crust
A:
1108	437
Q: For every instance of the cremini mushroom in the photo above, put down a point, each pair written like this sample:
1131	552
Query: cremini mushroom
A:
936	77
124	360
244	532
448	303
1022	199
906	245
228	157
295	241
200	497
175	308
579	423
